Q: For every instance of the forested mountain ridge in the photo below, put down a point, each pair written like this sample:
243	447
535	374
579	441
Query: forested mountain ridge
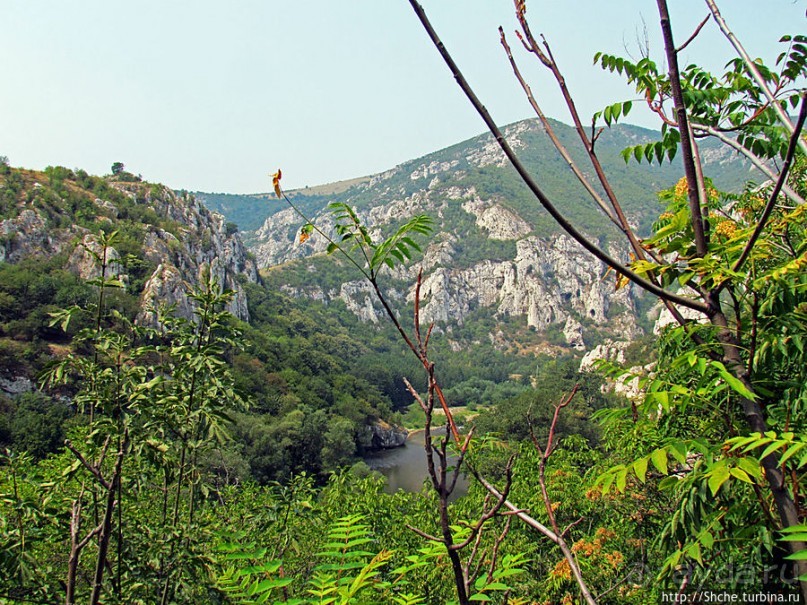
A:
494	253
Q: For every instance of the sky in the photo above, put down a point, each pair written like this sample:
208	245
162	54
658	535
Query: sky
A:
214	96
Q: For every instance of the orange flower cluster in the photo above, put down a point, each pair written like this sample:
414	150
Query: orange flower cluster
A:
614	558
681	187
594	494
586	548
727	229
562	570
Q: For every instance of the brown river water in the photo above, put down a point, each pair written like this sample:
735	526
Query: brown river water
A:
405	467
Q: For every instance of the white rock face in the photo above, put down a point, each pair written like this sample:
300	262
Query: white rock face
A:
205	246
432	169
546	282
665	318
499	222
28	235
610	350
573	333
16	385
86	257
614	351
490	154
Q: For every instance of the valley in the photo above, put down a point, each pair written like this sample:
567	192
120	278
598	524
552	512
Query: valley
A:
248	360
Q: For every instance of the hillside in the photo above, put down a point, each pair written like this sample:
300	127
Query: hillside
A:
299	371
479	162
494	254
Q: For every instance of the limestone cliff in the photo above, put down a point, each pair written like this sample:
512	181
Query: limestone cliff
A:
547	280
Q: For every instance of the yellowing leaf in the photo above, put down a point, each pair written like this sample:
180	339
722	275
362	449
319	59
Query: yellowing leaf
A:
276	182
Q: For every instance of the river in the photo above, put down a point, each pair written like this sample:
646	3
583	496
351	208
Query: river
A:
405	467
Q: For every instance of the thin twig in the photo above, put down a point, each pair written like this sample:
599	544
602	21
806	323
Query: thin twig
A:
551	133
694	34
423	534
757	162
753	71
94	470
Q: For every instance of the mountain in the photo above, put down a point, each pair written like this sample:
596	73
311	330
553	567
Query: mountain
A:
495	254
165	240
316	395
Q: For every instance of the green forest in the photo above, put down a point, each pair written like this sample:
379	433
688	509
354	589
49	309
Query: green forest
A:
202	458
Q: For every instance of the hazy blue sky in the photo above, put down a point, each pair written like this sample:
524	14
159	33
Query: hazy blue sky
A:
213	96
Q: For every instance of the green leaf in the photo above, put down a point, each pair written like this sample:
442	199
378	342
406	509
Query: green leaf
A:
741	475
622	479
694	551
640	468
799	556
719	476
795	537
659	459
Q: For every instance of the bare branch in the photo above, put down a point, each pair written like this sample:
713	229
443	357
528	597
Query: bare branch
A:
548	60
694	34
423	534
416	395
536	190
486	516
758	163
93	469
551	133
693	193
567	553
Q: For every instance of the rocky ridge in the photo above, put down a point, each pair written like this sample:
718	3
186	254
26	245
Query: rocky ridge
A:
199	242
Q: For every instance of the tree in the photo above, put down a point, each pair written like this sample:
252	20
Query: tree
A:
117	168
737	262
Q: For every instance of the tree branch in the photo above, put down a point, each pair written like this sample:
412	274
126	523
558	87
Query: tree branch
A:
758	164
766	213
549	61
552	136
694	35
753	71
690	170
536	190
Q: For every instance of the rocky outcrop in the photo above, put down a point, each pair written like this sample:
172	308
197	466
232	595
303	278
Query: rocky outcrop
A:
614	351
87	260
548	281
28	235
499	222
203	246
16	385
385	436
535	271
